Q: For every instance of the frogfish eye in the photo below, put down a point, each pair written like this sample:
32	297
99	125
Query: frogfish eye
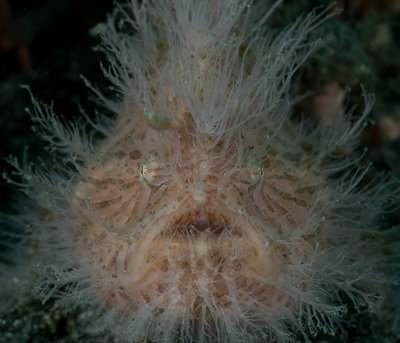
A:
152	171
254	170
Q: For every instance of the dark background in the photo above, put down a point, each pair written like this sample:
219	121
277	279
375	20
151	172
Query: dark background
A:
57	49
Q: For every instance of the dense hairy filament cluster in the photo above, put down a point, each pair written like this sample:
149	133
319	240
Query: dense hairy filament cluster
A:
208	212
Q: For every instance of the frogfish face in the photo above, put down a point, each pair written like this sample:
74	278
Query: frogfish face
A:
179	226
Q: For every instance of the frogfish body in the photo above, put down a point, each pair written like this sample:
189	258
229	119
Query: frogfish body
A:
207	212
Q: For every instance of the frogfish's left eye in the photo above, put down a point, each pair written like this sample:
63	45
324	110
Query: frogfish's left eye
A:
254	169
248	174
152	170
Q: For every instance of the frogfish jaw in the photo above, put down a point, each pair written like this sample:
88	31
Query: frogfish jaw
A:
194	261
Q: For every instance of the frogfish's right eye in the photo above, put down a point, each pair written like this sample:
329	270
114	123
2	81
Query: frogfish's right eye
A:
152	171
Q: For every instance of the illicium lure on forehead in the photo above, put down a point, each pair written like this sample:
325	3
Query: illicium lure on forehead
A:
206	213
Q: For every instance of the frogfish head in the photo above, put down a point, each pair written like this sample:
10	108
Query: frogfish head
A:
187	228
